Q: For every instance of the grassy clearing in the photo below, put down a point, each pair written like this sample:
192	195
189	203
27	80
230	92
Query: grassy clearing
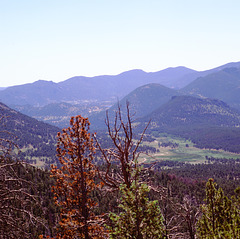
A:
185	152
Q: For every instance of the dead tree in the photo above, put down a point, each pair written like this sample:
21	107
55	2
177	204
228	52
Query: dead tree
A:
124	152
180	218
189	211
17	204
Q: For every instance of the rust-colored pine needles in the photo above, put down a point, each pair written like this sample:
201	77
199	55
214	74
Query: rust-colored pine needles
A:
75	182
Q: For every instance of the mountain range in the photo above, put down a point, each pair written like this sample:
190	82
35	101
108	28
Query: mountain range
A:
205	111
142	101
223	85
102	88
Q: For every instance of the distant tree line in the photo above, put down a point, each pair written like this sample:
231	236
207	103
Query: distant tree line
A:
209	137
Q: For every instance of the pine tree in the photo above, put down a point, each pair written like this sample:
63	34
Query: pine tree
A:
75	182
139	217
220	216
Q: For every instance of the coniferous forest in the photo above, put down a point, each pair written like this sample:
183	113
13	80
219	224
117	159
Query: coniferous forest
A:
119	119
99	189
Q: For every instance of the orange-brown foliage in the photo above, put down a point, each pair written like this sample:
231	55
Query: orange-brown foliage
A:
75	182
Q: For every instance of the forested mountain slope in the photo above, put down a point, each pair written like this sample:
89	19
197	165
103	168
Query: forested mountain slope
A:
142	102
59	114
208	123
190	111
223	85
35	139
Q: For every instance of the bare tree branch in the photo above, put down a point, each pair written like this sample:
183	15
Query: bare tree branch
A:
17	204
124	153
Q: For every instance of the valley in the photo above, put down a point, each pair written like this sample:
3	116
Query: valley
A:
176	101
120	120
181	150
193	135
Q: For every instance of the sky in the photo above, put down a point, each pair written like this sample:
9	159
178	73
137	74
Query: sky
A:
54	40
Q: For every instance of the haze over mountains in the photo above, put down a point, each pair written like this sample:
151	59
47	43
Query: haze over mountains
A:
77	89
142	101
101	88
223	85
56	102
205	111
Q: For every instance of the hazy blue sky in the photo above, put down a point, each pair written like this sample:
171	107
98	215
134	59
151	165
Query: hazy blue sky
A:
57	39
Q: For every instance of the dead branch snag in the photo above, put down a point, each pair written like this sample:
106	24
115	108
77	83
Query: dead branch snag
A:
124	152
18	205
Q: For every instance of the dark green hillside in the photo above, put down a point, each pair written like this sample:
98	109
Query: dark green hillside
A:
147	98
35	139
224	138
142	101
223	85
190	111
208	123
224	171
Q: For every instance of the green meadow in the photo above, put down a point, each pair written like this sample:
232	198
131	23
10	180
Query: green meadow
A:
184	152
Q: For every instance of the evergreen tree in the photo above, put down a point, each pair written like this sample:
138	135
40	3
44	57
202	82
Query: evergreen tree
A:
75	182
220	215
139	217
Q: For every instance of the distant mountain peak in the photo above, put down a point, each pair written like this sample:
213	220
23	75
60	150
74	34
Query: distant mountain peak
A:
223	84
101	88
43	82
